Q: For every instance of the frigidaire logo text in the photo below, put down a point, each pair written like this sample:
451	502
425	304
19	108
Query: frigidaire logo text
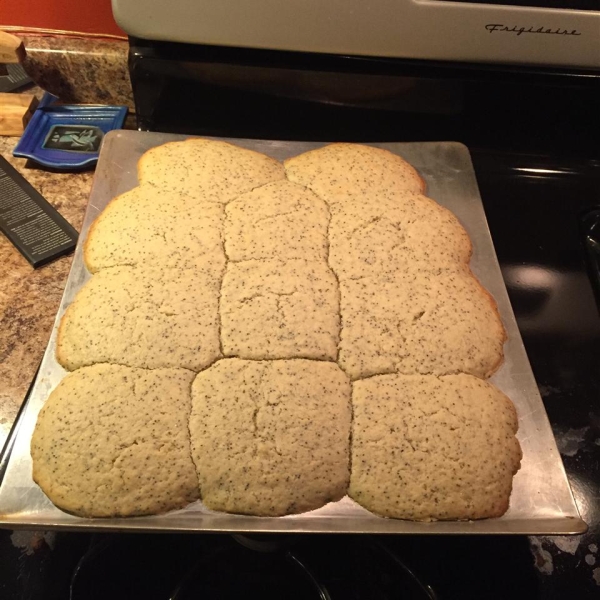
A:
494	27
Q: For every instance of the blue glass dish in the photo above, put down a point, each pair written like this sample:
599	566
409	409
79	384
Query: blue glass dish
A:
68	136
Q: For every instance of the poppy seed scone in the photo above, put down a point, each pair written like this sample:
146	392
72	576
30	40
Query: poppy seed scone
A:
271	438
415	323
147	226
271	336
279	220
338	172
151	317
208	169
279	309
432	448
383	234
112	441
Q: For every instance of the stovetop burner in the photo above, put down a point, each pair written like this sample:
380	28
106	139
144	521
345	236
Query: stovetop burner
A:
590	226
227	568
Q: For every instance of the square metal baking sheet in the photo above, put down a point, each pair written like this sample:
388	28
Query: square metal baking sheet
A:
541	502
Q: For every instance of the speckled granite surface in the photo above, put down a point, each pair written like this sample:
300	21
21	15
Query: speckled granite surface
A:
91	71
78	71
30	298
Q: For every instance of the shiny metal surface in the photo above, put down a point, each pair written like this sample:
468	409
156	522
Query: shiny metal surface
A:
541	503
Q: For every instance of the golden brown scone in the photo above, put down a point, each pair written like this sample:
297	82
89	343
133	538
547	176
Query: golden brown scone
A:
271	438
383	234
208	169
338	172
148	317
279	309
147	226
418	322
426	447
279	220
112	441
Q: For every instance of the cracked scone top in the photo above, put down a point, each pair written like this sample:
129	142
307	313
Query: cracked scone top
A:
149	317
280	220
417	323
211	169
271	438
147	226
383	234
341	171
280	309
112	441
426	447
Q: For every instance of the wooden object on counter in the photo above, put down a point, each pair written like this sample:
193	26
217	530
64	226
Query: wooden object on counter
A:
15	112
12	49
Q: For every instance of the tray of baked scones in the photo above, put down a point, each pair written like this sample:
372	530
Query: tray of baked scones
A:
265	336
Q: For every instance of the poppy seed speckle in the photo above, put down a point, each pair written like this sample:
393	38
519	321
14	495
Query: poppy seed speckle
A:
426	447
271	437
113	441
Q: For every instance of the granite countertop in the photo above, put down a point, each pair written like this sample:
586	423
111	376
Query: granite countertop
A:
78	70
29	298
